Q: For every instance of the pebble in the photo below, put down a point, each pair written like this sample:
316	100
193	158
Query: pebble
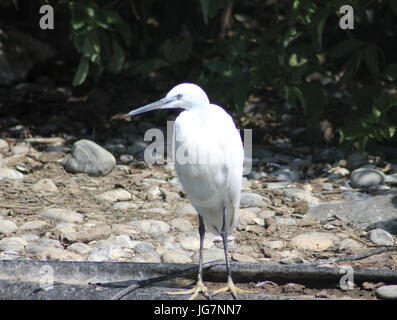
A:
29	236
90	234
349	244
381	237
327	187
273	244
292	259
286	174
276	185
364	178
157	210
357	159
181	225
185	209
45	185
108	248
391	178
175	257
65	227
249	199
150	226
63	215
246	217
170	196
10	174
387	292
120	228
57	254
32	225
7	226
314	241
4	146
21	148
142	247
286	221
126	158
356	196
88	157
146	258
124	205
15	244
42	244
138	147
114	195
98	255
153	193
210	254
243	258
79	248
124	241
340	171
297	195
191	241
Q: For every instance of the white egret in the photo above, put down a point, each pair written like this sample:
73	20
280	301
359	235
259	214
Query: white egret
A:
208	155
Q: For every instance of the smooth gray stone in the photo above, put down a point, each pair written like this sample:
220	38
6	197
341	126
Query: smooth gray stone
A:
88	157
375	212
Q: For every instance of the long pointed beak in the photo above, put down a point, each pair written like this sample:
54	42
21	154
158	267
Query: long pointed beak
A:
160	104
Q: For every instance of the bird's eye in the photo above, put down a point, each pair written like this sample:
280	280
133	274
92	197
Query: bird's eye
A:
179	96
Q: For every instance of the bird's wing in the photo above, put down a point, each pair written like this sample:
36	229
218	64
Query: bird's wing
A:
209	161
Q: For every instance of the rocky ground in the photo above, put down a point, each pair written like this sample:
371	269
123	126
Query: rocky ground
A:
293	209
302	201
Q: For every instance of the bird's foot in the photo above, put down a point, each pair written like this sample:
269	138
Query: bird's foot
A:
232	289
199	287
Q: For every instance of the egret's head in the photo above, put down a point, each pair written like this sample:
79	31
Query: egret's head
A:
182	96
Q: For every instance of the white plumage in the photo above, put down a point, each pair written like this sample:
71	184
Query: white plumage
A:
213	173
208	155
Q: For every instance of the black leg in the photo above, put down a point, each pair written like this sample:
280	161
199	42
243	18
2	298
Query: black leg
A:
199	287
224	238
202	234
230	285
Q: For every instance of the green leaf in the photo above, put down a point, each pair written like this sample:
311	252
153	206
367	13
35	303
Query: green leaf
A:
82	71
218	67
146	67
78	20
123	28
393	4
205	5
392	131
376	112
392	102
101	20
344	48
105	40
391	72
240	93
15	3
293	94
290	36
351	67
371	59
296	61
318	24
315	101
78	41
117	60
